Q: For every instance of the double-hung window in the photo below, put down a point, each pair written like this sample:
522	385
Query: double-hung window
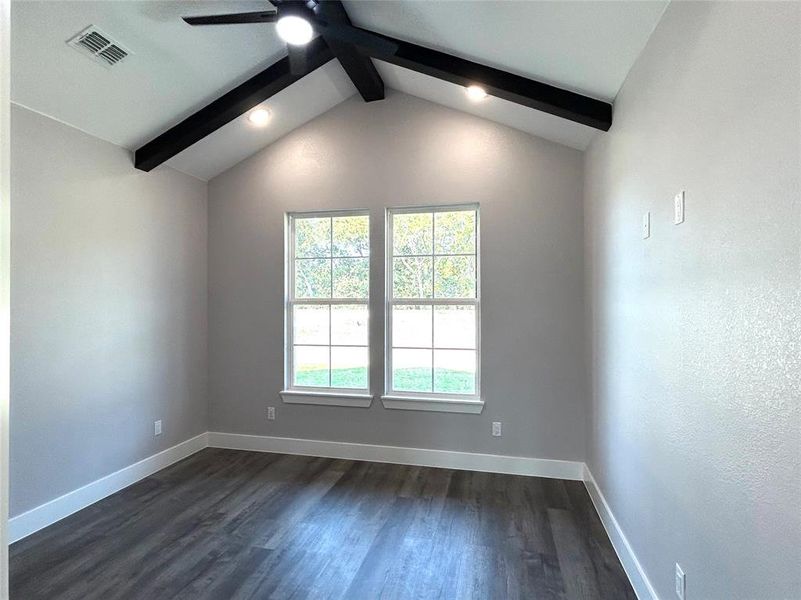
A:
433	309
328	285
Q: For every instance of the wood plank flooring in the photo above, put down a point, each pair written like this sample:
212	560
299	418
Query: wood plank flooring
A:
226	524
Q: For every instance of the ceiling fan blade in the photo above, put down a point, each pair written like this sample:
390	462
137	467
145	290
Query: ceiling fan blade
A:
297	59
357	37
264	16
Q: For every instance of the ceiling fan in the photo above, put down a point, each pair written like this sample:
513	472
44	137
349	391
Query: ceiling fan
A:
296	22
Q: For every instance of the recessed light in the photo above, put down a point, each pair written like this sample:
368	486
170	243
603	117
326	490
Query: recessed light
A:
259	117
475	92
294	30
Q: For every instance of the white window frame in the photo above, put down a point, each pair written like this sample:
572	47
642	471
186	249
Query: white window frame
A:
294	394
429	401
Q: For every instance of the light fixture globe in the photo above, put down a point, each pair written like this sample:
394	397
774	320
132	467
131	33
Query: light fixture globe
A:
294	30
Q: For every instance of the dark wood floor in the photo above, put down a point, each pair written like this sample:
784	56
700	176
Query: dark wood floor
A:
226	524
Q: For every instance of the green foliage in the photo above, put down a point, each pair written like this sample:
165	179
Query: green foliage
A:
351	236
312	237
455	232
321	238
313	278
455	277
447	381
412	277
351	277
412	234
443	234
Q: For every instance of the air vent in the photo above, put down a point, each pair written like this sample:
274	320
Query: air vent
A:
99	46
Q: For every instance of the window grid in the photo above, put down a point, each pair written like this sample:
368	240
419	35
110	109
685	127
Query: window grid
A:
433	301
329	302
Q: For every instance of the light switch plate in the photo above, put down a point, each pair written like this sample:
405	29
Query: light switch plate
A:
496	429
680	587
646	225
678	208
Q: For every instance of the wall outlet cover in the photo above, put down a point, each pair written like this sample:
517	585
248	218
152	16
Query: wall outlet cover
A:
157	427
496	428
271	413
678	208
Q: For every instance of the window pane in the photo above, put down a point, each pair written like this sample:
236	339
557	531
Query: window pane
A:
312	237
349	367
455	371
313	278
351	277
411	326
412	233
310	325
412	277
411	370
455	327
311	366
349	325
455	232
455	277
351	236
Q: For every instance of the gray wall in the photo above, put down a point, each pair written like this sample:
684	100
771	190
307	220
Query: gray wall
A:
397	152
695	331
108	309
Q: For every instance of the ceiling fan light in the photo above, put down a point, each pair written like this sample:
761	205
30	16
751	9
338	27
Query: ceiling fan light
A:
259	117
294	30
476	93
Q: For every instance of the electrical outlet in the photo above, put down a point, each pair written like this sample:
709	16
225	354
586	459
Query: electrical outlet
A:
680	586
678	208
157	427
271	413
496	429
646	225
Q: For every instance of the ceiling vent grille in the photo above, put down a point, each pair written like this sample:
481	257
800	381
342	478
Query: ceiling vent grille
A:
96	44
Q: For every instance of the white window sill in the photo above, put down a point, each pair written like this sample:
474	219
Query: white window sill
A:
434	404
326	398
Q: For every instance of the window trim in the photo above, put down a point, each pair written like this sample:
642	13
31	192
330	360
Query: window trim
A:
428	401
296	394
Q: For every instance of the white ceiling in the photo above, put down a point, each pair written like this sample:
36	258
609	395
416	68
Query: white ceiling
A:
508	113
176	69
299	103
587	47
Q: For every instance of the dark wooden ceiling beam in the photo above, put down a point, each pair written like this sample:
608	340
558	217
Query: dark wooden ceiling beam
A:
359	67
228	107
528	92
277	77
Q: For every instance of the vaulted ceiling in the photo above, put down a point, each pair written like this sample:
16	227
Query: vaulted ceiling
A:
175	70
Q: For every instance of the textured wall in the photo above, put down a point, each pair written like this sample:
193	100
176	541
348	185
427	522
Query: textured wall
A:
406	151
696	436
108	309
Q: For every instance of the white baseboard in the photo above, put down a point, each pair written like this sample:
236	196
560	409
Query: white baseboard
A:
492	463
639	580
48	513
